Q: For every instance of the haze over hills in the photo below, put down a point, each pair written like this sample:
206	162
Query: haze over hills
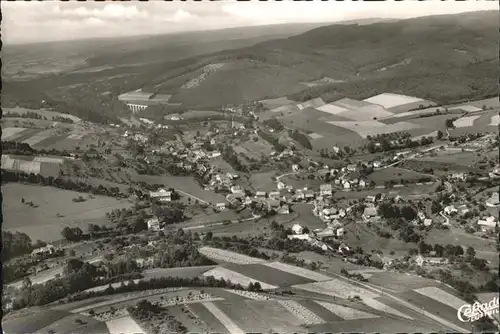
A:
440	58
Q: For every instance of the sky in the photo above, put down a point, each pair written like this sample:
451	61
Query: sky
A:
40	21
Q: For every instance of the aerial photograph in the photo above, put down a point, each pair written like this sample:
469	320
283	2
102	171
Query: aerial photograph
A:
250	167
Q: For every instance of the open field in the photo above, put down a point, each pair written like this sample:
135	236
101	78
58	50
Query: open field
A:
388	100
346	313
314	103
495	120
298	271
394	174
277	102
379	306
276	316
207	317
31	320
441	296
263	181
184	272
223	318
465	121
11	133
235	277
228	256
337	288
373	128
125	325
270	274
320	311
398	282
430	305
242	315
368	326
56	210
307	317
182	184
42	112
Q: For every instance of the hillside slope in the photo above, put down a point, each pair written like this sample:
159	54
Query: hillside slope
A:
439	58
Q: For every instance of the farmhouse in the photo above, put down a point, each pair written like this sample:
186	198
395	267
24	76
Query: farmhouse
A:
493	201
325	189
44	251
161	195
487	223
153	224
369	213
220	206
420	260
351	167
450	210
297	229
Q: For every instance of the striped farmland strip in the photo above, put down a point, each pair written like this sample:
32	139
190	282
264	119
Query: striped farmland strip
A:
346	313
302	272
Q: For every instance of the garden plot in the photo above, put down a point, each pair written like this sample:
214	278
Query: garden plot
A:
384	308
465	121
270	274
308	317
39	137
346	313
389	100
10	133
223	318
125	325
228	256
302	272
373	128
236	278
441	296
336	288
495	120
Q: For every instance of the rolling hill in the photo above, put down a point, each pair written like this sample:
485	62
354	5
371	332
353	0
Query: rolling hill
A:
439	58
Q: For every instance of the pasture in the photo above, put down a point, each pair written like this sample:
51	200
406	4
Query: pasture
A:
184	272
270	274
309	275
207	317
373	128
367	113
236	278
337	288
394	174
55	210
125	325
242	315
228	256
184	185
397	282
389	100
466	121
276	315
346	313
263	181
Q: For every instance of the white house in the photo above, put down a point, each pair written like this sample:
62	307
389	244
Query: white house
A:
297	229
340	232
300	236
327	214
458	177
153	224
369	213
161	195
370	199
362	183
295	168
236	189
421	216
336	149
214	154
260	194
281	185
351	167
450	210
346	185
325	189
274	194
420	260
46	250
220	206
309	194
487	223
377	164
427	222
284	209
